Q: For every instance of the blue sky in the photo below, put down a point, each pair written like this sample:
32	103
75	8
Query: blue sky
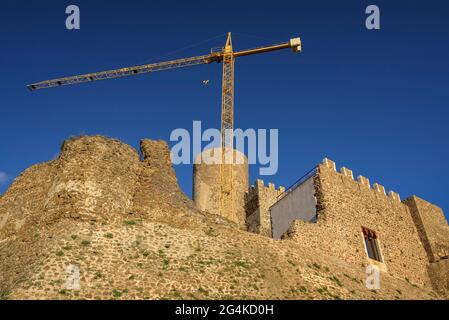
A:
374	101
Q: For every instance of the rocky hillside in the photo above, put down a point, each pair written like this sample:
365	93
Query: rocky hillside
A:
122	219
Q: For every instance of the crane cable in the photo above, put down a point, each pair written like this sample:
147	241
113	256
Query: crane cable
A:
156	58
255	37
153	59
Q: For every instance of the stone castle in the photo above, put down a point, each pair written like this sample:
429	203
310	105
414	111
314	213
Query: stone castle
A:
119	217
329	211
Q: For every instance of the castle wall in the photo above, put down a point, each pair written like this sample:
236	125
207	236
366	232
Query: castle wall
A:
439	276
93	178
344	206
297	204
434	234
432	227
259	199
26	195
252	211
95	175
157	180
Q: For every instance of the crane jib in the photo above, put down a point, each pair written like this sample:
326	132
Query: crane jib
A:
123	72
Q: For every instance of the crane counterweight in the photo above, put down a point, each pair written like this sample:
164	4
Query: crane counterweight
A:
295	44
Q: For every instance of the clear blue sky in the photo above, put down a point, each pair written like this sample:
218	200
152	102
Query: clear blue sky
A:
374	101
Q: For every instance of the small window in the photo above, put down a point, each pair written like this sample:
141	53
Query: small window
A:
372	244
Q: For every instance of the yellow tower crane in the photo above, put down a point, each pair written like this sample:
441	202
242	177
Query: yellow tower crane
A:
225	55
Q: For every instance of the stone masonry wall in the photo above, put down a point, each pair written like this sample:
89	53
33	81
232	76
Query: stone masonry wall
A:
259	199
344	206
439	276
24	198
432	227
94	179
434	233
157	194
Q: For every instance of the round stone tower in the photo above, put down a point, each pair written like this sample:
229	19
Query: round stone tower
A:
207	184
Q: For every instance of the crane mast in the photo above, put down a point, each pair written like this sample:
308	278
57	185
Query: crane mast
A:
226	206
227	56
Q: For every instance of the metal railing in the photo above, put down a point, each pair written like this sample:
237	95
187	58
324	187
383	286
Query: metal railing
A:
298	182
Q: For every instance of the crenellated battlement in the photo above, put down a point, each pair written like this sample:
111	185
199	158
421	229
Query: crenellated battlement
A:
259	199
260	186
361	180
